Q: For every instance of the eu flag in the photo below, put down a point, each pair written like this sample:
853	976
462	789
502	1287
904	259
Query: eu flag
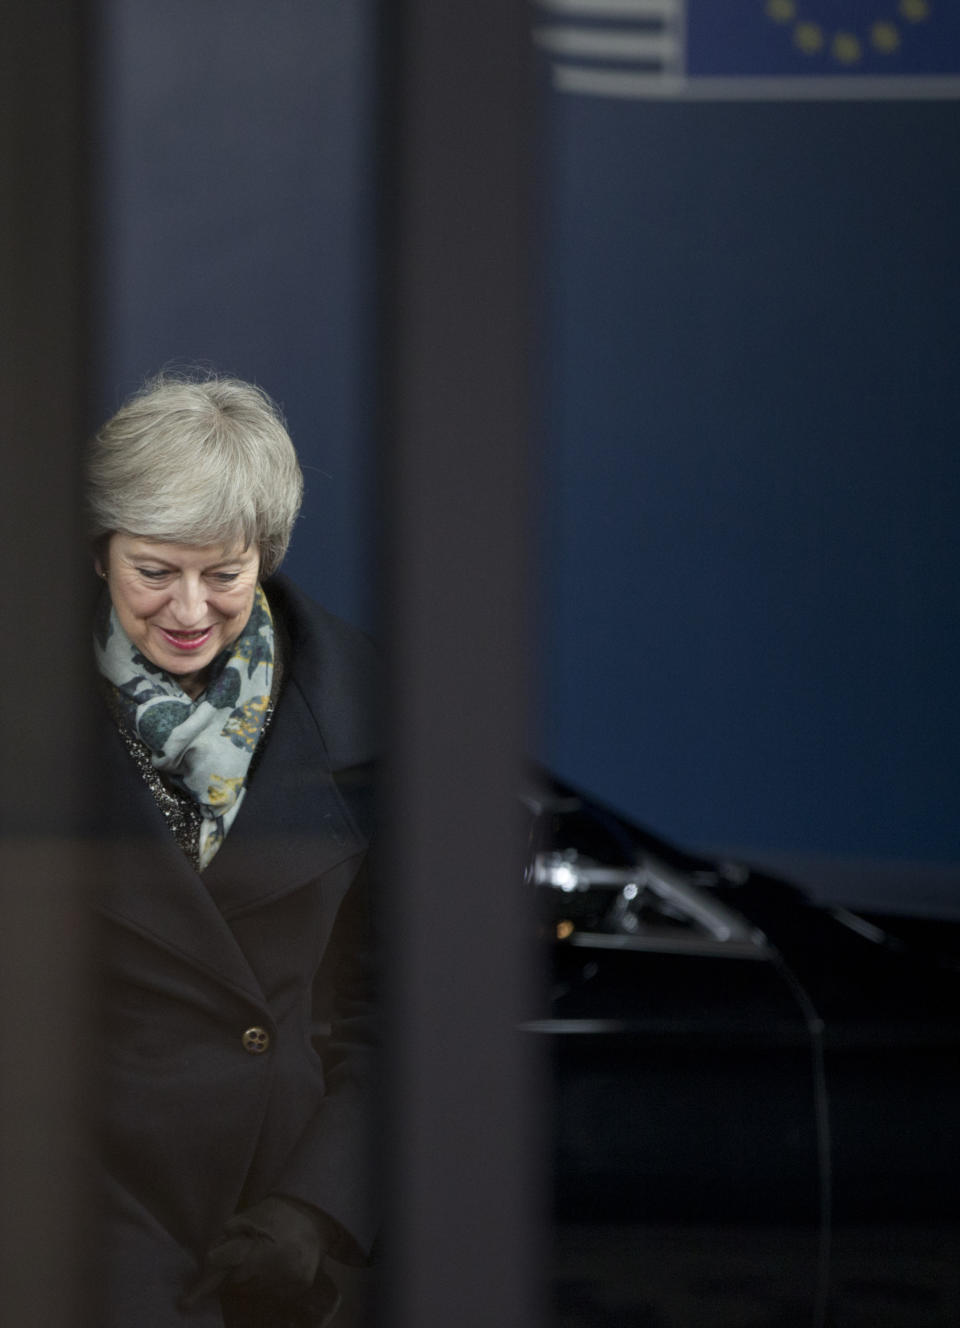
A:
753	48
825	38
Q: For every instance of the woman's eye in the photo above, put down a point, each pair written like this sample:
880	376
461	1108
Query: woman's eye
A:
151	573
225	578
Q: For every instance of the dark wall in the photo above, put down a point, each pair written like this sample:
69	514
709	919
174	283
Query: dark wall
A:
236	143
752	473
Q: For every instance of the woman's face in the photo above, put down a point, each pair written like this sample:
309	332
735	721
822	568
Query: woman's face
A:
180	604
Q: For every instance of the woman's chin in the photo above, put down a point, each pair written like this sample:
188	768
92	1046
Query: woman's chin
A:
190	673
182	660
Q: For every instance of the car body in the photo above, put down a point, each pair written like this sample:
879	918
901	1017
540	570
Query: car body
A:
755	1098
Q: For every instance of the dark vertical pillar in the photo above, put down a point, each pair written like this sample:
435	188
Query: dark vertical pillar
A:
462	1238
44	1030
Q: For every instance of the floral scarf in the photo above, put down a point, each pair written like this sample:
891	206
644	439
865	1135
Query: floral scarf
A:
202	747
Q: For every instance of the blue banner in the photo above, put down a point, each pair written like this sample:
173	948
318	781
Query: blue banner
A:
832	38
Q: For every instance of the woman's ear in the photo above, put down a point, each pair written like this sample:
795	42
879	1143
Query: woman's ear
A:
100	552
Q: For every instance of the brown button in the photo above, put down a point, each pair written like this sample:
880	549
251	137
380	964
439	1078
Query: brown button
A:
256	1040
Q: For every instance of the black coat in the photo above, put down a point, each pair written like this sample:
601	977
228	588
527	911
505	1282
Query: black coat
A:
195	1125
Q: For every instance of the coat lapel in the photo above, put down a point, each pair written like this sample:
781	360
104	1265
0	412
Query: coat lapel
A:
292	826
143	878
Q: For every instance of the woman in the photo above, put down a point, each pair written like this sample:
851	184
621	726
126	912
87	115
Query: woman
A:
232	800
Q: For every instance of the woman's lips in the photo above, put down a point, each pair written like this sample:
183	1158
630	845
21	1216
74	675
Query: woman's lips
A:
186	640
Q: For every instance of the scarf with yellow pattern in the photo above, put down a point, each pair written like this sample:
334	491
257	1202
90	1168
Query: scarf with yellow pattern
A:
202	747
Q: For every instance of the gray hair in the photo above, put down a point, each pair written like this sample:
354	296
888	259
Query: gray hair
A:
190	460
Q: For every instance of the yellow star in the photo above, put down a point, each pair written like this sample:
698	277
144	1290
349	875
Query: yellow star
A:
914	11
884	37
808	37
846	48
781	11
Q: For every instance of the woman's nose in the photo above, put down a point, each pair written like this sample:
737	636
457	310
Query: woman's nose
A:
188	602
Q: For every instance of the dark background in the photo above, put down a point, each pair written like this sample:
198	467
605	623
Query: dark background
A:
749	476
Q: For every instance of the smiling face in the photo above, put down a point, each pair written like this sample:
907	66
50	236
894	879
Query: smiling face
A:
180	604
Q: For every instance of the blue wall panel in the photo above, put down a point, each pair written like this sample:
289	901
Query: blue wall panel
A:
753	473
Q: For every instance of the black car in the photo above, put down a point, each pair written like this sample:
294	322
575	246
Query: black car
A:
756	1099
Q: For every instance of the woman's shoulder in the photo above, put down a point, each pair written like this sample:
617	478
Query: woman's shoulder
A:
337	668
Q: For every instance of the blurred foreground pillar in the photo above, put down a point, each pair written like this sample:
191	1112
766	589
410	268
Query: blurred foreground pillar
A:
463	1238
46	1044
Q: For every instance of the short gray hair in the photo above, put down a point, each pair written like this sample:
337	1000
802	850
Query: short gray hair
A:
196	460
